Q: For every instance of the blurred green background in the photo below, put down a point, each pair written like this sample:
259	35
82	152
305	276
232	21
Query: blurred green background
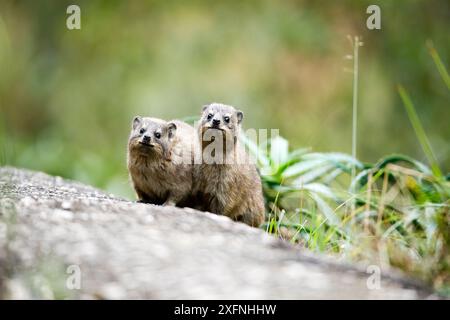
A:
67	97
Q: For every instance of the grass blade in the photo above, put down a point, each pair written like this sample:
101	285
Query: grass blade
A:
439	64
420	132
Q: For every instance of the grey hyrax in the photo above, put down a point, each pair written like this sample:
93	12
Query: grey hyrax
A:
226	182
160	160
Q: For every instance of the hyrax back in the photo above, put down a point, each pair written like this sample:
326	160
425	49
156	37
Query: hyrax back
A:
160	160
226	180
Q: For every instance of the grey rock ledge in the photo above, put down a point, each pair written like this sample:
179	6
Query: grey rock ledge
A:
137	251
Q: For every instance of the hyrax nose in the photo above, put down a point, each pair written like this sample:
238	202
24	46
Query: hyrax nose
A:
146	138
216	122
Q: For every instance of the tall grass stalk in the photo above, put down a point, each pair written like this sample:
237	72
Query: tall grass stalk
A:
356	44
420	132
439	64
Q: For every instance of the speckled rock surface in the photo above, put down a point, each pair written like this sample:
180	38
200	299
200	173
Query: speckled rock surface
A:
62	239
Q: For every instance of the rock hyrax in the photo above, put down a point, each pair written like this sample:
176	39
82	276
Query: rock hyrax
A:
160	160
226	181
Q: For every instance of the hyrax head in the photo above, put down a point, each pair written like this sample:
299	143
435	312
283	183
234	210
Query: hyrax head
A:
221	117
151	136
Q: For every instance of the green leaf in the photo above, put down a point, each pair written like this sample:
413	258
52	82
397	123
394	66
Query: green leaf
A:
300	167
312	175
394	158
279	151
420	132
439	64
325	209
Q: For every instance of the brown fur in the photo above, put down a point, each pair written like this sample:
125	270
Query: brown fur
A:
163	172
231	187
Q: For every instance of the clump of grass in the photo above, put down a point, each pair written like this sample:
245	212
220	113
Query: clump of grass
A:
399	213
400	216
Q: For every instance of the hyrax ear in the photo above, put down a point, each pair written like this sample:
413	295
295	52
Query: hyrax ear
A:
205	107
171	129
136	122
240	116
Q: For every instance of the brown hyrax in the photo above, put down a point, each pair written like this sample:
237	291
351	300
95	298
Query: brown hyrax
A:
160	160
226	181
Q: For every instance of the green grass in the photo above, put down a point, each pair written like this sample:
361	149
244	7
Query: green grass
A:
399	206
420	132
439	64
400	216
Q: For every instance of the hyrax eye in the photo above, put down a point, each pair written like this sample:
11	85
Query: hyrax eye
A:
226	119
210	116
157	135
142	131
